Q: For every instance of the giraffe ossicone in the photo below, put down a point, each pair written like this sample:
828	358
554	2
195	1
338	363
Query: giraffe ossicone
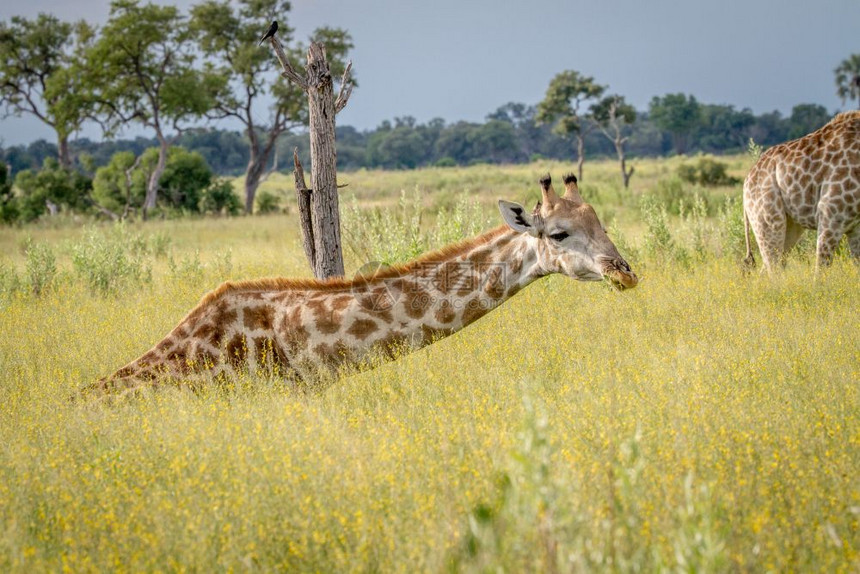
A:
294	327
809	183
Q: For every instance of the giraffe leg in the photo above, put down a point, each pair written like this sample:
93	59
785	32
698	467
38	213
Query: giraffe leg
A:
831	228
770	236
112	390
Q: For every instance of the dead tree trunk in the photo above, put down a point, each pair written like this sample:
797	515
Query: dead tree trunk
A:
614	121
580	154
585	128
326	257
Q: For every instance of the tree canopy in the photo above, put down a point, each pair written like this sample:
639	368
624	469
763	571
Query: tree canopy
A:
564	105
677	114
40	62
848	79
228	32
565	101
141	69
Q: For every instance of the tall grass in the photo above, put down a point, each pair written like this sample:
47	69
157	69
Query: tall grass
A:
706	421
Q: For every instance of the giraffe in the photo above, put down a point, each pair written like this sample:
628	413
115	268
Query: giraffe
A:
291	327
808	183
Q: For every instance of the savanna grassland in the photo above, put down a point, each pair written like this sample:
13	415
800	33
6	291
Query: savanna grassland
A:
707	421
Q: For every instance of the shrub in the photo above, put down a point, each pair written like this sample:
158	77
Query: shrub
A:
708	172
187	267
627	250
41	266
387	236
659	242
219	198
159	244
9	280
669	193
392	236
464	219
107	261
695	218
50	185
268	202
181	186
754	150
446	161
731	227
110	186
185	178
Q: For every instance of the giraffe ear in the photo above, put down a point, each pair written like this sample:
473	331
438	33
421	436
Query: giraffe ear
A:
517	218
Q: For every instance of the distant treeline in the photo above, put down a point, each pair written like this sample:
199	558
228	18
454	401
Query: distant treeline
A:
511	134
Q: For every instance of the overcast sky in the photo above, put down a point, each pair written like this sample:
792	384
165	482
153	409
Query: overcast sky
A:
462	59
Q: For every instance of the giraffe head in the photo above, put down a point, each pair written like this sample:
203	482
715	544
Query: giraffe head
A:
570	238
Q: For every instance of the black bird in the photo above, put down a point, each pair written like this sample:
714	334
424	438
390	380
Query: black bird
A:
270	32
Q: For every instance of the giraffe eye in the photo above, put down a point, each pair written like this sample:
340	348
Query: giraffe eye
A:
560	236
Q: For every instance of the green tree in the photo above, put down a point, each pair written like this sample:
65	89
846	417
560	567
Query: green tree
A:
39	73
613	116
141	70
121	186
805	119
229	32
848	79
677	114
402	147
769	129
50	188
8	205
455	142
522	117
495	141
185	177
219	198
723	128
115	186
568	95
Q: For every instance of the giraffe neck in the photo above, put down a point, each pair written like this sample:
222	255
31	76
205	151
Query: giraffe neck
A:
435	297
301	322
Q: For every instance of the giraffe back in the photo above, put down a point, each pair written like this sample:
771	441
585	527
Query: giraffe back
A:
794	176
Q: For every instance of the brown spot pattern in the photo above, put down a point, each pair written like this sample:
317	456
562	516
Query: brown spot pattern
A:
205	359
269	355
433	334
416	300
341	302
204	332
445	313
325	320
334	353
261	317
237	350
362	328
473	311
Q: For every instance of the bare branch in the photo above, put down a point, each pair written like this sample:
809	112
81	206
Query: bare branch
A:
303	196
345	89
289	72
101	209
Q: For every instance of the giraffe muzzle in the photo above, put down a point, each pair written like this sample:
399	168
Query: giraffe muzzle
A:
620	275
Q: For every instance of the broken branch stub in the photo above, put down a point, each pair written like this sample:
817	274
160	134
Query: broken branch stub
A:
319	213
303	200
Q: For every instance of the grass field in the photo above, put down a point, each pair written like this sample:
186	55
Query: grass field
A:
705	421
